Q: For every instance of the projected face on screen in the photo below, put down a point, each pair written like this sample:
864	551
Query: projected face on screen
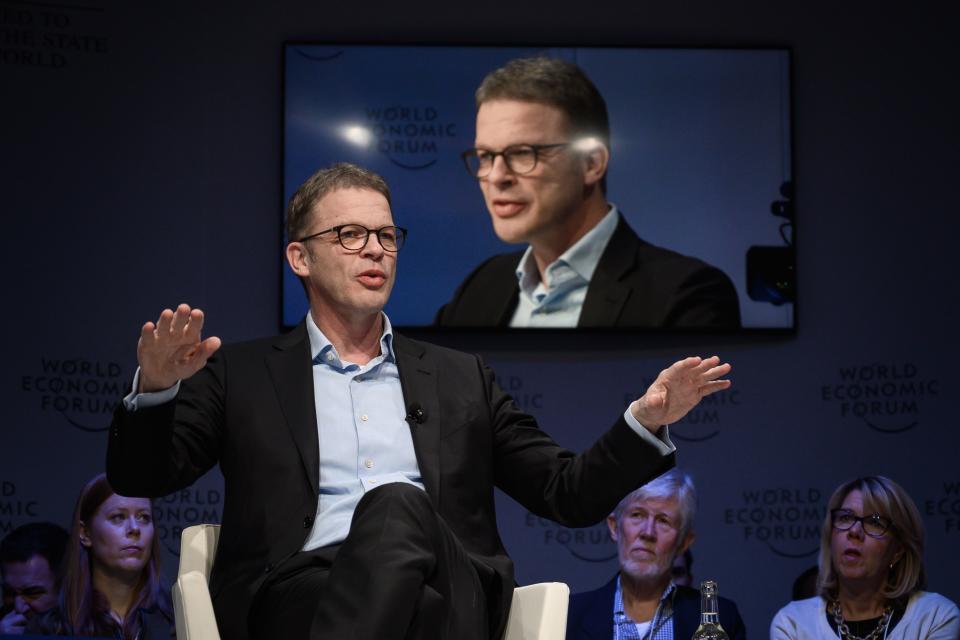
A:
605	188
535	202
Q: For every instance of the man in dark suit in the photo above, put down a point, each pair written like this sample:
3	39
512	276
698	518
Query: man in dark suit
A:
359	465
541	156
652	526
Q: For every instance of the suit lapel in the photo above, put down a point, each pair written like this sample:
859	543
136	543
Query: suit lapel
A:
597	620
607	293
502	303
497	293
418	379
290	369
686	614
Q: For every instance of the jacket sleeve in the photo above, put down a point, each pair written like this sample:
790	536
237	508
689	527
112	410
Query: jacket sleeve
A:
155	451
733	623
552	482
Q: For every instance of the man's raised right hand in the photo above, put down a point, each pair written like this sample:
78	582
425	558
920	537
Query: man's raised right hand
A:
171	349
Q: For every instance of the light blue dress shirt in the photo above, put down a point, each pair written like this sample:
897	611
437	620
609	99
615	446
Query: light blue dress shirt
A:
365	441
558	301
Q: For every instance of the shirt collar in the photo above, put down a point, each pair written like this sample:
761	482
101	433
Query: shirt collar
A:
582	257
320	345
664	609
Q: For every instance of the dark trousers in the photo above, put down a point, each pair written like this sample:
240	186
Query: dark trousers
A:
401	574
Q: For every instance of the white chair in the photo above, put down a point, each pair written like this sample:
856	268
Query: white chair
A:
538	612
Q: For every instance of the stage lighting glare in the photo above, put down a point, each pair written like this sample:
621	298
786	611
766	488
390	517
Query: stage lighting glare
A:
355	134
587	144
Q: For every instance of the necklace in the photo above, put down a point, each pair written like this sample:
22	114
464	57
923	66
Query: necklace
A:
844	630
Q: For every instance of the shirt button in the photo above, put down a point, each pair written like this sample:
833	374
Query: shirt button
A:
368	463
308	522
329	356
372	481
364	417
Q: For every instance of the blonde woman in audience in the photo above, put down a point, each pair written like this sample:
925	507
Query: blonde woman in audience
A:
871	577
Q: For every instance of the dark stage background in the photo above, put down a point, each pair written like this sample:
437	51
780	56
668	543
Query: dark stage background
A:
141	149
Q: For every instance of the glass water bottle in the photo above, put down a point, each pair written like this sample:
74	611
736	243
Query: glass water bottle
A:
709	628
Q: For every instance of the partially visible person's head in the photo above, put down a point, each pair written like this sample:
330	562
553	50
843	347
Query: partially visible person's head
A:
327	220
555	83
112	538
541	151
653	525
343	175
30	559
119	535
805	585
872	537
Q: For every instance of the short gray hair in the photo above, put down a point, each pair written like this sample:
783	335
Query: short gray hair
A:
343	175
672	484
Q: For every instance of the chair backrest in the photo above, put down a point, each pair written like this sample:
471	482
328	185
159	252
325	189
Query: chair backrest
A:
538	612
198	545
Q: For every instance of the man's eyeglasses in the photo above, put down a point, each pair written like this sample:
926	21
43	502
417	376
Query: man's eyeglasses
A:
519	158
874	525
354	236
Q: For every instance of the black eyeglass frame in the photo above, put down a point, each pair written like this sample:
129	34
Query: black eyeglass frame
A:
874	519
401	236
475	152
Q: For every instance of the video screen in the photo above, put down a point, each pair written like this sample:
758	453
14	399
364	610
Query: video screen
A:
696	231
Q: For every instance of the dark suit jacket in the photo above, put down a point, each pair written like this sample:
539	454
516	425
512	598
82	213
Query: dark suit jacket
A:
636	284
590	616
252	410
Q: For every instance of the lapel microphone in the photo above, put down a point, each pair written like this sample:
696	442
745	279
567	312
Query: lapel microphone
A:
415	413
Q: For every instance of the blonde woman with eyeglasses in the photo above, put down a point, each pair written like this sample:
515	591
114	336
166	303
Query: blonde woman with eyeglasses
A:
871	577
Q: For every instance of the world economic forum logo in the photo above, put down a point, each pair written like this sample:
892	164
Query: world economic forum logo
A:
785	520
16	508
527	398
592	544
943	507
410	136
177	511
84	391
885	397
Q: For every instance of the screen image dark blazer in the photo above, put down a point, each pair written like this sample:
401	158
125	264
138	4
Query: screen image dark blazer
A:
252	410
636	284
590	616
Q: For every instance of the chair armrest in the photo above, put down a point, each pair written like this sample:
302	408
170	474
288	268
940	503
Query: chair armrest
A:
196	621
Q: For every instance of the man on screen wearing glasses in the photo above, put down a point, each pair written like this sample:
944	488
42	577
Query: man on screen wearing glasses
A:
541	157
